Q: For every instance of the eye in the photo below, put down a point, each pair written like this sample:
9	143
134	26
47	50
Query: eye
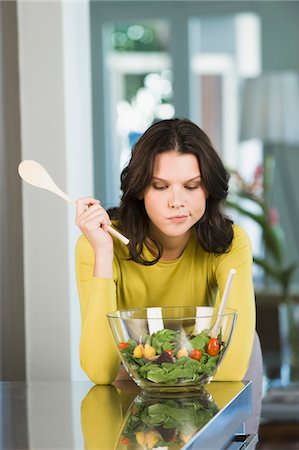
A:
159	187
192	187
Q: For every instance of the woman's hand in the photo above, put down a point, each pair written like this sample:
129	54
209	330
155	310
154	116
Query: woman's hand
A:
93	221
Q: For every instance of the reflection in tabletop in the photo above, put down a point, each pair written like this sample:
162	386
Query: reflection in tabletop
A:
169	422
79	415
117	418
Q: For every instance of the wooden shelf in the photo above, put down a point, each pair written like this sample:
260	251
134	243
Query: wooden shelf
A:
279	436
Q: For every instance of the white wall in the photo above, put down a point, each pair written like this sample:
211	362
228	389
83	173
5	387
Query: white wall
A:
79	150
56	131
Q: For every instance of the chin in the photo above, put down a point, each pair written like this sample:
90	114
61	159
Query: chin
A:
179	231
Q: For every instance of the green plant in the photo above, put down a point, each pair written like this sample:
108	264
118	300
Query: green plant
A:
248	199
274	262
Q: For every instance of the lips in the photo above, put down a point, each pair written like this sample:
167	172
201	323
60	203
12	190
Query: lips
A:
178	219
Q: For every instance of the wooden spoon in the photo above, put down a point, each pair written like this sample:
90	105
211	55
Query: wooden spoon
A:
35	174
215	330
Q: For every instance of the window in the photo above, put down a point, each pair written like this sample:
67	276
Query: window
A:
139	77
151	63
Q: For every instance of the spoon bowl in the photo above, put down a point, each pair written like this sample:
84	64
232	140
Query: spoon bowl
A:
35	174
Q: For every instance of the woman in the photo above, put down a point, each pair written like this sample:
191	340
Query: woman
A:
181	249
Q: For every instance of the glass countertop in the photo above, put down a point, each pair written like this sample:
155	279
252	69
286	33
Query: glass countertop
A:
79	415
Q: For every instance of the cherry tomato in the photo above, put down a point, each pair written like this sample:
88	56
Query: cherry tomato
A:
196	354
125	440
169	351
213	347
123	345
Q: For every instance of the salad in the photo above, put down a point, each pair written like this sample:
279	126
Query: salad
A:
171	357
167	423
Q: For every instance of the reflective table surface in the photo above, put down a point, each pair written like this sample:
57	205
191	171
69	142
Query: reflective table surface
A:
79	415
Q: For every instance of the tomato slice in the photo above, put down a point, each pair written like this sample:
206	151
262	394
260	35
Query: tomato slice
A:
123	345
125	440
169	351
213	347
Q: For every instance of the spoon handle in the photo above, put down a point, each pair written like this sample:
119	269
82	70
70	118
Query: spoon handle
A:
35	174
215	330
111	230
118	235
67	198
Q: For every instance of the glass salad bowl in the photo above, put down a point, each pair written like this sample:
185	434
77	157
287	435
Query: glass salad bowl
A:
167	423
169	349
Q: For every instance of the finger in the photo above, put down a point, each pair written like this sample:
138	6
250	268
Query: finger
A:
83	204
97	209
90	208
94	213
99	216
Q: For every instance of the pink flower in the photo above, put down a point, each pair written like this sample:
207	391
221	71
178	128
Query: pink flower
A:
273	216
259	171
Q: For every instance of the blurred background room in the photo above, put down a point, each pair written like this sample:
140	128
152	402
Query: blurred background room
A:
79	82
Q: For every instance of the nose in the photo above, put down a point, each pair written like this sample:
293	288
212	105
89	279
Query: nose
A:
175	200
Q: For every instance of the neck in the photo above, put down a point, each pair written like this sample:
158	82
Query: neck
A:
173	247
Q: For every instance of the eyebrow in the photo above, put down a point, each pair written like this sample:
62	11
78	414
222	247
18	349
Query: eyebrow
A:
198	177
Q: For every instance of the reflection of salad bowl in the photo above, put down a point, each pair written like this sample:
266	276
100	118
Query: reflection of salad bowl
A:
165	422
172	349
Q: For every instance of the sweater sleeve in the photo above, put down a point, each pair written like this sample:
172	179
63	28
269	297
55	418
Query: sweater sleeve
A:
241	298
98	354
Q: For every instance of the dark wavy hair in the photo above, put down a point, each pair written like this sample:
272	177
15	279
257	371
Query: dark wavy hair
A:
214	230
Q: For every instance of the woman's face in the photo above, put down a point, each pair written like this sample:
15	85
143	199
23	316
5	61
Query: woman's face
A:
175	199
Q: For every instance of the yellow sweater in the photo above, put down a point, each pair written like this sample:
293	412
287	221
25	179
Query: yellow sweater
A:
196	278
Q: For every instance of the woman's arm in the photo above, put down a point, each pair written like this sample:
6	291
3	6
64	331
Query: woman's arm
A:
236	360
93	221
101	418
97	293
98	354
